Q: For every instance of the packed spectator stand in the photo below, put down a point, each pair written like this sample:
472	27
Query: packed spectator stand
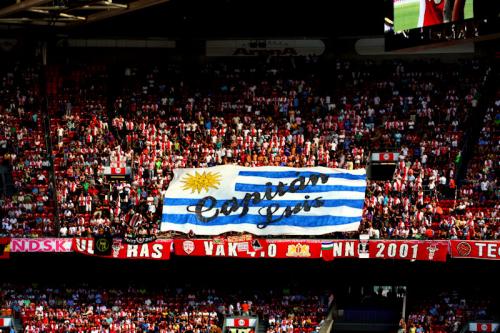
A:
83	308
448	312
135	308
27	206
280	112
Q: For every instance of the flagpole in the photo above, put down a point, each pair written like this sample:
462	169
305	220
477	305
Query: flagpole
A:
403	315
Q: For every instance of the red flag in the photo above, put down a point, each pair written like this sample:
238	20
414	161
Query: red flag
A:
386	156
484	328
241	322
118	171
5	322
327	251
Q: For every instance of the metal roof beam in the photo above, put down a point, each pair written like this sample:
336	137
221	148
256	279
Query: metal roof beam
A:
20	6
48	8
132	7
25	20
88	7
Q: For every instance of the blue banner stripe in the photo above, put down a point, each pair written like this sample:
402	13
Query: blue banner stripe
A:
295	174
354	203
309	189
294	220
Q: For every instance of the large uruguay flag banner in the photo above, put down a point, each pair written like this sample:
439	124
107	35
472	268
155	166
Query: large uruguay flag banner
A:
264	200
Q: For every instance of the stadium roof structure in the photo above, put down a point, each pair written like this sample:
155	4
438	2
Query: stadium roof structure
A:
67	12
193	18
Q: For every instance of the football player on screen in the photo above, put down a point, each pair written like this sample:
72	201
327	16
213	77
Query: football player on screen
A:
440	11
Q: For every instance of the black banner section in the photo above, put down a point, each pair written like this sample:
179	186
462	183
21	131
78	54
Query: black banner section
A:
102	245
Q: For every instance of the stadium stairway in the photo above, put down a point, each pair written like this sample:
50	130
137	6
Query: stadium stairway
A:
6	182
114	88
327	325
368	314
263	325
18	326
475	124
47	89
366	321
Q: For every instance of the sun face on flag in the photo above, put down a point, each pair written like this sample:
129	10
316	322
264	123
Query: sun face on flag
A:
201	181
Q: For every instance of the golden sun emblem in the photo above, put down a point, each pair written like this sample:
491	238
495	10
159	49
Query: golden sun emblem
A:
200	181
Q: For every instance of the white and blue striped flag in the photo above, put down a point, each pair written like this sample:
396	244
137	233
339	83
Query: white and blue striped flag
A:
264	200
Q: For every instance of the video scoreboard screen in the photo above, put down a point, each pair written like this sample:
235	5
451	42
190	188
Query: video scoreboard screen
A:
410	23
411	14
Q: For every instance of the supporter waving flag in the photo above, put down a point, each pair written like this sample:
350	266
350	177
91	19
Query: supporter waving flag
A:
264	200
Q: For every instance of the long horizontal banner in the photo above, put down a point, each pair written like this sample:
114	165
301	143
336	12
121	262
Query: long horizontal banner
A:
41	245
264	200
256	248
475	249
386	249
246	246
409	250
4	247
310	248
157	250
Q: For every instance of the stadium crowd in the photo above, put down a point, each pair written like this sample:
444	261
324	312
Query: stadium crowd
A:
447	312
277	113
137	309
122	309
27	207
